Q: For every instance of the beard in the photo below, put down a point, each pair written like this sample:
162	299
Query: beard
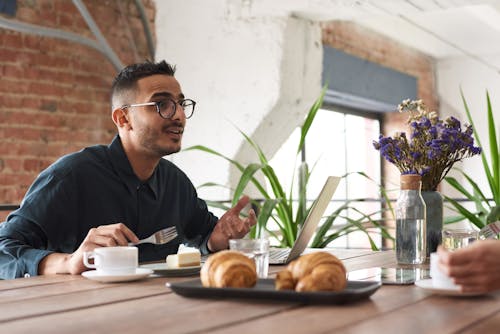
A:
158	142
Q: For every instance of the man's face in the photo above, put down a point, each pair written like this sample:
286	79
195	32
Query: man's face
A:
151	133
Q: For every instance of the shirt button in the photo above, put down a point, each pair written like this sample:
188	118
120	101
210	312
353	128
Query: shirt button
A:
27	275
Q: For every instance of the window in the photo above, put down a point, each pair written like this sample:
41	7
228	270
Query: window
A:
338	142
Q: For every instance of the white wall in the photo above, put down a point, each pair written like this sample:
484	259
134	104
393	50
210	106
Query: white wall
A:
256	73
258	68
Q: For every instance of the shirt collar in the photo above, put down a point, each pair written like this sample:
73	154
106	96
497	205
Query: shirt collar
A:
121	164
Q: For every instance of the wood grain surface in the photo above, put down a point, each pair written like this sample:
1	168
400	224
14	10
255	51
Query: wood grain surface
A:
74	304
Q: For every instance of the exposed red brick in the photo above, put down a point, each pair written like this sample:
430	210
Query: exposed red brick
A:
54	94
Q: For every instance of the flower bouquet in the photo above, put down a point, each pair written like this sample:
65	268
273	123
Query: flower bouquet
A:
433	145
431	150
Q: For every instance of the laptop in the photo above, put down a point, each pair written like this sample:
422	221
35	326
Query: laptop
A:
285	255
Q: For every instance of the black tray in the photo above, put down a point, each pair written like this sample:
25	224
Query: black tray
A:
356	290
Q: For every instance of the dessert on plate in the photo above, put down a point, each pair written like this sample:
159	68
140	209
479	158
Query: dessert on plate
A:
185	257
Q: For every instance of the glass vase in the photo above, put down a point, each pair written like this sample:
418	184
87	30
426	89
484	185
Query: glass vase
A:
434	213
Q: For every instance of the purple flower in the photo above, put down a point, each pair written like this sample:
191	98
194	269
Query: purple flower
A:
416	155
434	145
433	131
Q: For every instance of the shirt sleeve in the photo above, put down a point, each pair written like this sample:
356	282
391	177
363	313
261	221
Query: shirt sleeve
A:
30	232
204	222
19	254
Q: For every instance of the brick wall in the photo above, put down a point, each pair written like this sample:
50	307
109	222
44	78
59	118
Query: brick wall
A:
54	94
366	44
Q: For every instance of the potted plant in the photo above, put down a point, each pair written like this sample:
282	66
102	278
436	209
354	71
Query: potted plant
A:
289	213
486	211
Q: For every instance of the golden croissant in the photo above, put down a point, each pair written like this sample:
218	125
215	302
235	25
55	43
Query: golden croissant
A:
318	271
228	269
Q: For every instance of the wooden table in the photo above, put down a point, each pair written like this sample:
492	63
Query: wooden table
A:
73	304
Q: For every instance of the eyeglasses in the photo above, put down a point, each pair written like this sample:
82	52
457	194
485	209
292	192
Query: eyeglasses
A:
166	108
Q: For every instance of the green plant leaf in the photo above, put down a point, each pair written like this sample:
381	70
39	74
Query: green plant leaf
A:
209	150
494	151
466	213
310	118
478	199
494	215
327	225
452	219
264	215
246	177
362	228
344	230
217	204
302	202
489	176
240	167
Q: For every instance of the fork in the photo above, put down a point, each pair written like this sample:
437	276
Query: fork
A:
490	231
160	237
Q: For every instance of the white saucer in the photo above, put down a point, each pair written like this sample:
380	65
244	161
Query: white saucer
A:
139	273
162	269
426	284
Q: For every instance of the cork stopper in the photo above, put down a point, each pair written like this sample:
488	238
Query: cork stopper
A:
410	182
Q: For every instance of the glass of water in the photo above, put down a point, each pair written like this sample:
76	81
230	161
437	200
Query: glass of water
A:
257	249
454	239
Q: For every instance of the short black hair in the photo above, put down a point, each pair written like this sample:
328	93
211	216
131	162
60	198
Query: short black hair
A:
127	79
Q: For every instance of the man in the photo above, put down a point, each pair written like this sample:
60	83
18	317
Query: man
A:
476	268
116	194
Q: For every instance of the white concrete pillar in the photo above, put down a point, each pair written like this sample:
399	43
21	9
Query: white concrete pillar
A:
257	72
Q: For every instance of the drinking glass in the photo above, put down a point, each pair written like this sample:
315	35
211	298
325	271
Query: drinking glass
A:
454	239
257	249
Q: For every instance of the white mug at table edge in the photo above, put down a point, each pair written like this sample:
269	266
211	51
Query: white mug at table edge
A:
120	260
439	279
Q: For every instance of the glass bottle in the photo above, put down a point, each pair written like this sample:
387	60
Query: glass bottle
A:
410	222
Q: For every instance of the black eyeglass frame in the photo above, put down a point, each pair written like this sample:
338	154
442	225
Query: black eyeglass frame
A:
158	108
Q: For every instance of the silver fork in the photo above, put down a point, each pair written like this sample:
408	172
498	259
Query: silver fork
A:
160	237
490	231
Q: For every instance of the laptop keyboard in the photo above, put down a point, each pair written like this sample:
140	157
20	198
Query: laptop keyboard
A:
278	255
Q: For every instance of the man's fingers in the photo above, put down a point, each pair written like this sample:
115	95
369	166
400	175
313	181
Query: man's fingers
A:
252	217
103	241
123	235
112	235
129	235
241	204
120	232
458	257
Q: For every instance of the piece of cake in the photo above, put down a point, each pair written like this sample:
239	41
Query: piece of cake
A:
185	257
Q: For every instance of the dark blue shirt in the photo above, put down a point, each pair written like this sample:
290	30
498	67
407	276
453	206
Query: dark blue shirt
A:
94	187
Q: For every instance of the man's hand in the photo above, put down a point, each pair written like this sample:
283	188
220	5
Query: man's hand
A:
102	236
231	226
476	267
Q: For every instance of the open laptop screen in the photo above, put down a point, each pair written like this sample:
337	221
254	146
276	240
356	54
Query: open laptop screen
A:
311	222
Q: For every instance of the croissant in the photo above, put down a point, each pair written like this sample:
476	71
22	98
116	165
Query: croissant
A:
284	280
318	271
228	269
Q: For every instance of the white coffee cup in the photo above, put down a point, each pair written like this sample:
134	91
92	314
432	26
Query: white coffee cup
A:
439	279
113	260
